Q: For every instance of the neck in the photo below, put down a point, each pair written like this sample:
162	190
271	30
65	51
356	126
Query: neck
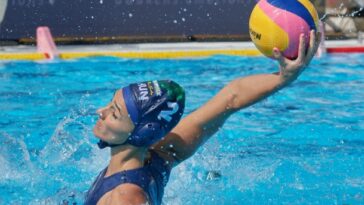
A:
125	157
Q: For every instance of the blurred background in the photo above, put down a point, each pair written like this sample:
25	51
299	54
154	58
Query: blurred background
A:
126	21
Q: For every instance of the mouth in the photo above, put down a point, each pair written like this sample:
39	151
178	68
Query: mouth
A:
98	124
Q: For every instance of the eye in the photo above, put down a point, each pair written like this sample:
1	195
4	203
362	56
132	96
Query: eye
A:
114	115
113	112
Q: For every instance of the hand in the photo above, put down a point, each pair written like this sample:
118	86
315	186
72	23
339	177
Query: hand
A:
291	69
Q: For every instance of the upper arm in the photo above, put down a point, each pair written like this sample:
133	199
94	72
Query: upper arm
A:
193	130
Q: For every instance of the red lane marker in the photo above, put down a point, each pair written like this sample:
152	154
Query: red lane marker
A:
346	50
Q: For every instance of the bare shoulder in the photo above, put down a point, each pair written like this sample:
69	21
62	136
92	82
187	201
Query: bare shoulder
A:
128	194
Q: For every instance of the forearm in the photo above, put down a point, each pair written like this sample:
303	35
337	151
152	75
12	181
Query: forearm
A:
238	94
251	89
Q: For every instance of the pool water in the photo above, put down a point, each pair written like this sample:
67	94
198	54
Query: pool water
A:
303	145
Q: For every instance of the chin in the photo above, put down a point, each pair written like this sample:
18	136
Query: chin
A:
97	133
100	135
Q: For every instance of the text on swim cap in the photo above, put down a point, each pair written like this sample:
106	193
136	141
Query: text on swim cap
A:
157	88
143	91
167	114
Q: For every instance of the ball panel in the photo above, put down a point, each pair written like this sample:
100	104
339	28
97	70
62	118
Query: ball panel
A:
296	8
283	18
310	8
265	33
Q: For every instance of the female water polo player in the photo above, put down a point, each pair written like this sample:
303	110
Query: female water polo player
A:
141	125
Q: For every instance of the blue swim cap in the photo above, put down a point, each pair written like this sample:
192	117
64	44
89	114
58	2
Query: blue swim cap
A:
155	108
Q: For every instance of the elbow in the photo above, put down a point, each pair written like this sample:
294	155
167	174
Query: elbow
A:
233	102
234	98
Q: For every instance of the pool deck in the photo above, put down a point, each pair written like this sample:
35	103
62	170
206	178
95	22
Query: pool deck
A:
161	50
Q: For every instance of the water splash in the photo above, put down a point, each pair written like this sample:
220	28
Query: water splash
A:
14	158
70	134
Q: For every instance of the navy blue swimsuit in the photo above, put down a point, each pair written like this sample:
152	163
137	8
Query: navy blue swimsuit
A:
152	178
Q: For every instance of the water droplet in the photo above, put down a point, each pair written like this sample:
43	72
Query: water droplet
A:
130	15
183	19
174	21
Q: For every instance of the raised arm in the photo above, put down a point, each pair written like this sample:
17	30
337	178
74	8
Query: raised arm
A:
183	141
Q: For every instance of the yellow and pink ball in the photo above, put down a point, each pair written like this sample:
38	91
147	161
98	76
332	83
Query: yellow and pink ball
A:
279	23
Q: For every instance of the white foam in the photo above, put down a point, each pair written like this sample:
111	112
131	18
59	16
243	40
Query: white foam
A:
15	159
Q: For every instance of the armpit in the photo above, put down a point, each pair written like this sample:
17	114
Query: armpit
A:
168	154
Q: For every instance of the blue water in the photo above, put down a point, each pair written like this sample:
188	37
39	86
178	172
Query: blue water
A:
304	145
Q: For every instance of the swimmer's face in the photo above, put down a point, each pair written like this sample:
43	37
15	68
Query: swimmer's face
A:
114	125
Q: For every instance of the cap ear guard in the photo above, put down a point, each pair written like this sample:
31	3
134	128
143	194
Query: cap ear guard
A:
143	135
146	135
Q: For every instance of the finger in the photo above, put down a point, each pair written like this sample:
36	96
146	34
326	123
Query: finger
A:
278	56
316	45
312	46
318	39
302	49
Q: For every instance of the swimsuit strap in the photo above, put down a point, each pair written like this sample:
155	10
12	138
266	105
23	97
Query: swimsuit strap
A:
102	185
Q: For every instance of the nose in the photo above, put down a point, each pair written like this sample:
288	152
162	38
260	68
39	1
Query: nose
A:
102	112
